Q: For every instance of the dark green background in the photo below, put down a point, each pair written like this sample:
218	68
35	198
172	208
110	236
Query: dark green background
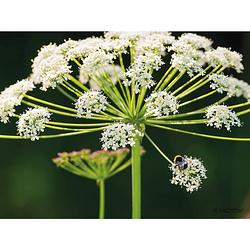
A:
32	187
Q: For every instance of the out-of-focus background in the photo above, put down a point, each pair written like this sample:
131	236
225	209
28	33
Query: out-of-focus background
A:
32	187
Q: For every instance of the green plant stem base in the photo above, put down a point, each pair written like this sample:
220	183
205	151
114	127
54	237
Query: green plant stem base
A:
101	199
136	180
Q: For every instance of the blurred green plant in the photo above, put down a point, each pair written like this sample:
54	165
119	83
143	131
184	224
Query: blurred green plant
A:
98	165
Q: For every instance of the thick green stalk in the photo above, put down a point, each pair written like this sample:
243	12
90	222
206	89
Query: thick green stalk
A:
101	199
136	180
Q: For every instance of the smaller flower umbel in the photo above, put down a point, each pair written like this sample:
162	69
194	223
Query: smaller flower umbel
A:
91	102
99	166
188	172
32	122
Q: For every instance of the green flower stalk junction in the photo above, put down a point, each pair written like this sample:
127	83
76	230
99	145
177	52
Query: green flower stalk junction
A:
121	85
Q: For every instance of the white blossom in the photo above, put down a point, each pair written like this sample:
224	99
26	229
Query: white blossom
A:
32	122
226	58
67	47
156	42
81	48
220	115
192	62
188	173
50	67
91	101
119	135
161	103
140	72
231	85
12	97
95	60
189	53
196	41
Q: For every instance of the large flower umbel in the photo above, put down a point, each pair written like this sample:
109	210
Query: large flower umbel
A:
129	97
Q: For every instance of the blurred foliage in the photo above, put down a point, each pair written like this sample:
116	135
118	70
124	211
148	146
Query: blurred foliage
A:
32	187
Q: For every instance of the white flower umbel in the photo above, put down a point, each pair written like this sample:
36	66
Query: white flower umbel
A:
80	49
32	122
95	60
140	72
11	97
196	41
161	104
188	174
67	46
226	58
156	42
50	67
219	82
231	85
220	115
119	135
90	102
189	53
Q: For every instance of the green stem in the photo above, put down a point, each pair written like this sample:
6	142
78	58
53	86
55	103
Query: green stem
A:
136	180
158	149
70	97
242	139
101	199
14	137
77	82
49	103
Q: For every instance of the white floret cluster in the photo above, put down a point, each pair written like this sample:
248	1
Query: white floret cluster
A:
161	103
50	67
225	57
219	116
92	101
119	135
191	177
231	85
12	97
32	123
140	72
156	42
189	53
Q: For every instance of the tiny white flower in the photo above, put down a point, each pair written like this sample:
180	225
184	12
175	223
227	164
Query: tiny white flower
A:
119	135
188	172
226	58
32	122
220	115
50	67
161	103
12	97
92	101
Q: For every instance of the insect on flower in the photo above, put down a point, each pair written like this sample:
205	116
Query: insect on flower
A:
180	162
